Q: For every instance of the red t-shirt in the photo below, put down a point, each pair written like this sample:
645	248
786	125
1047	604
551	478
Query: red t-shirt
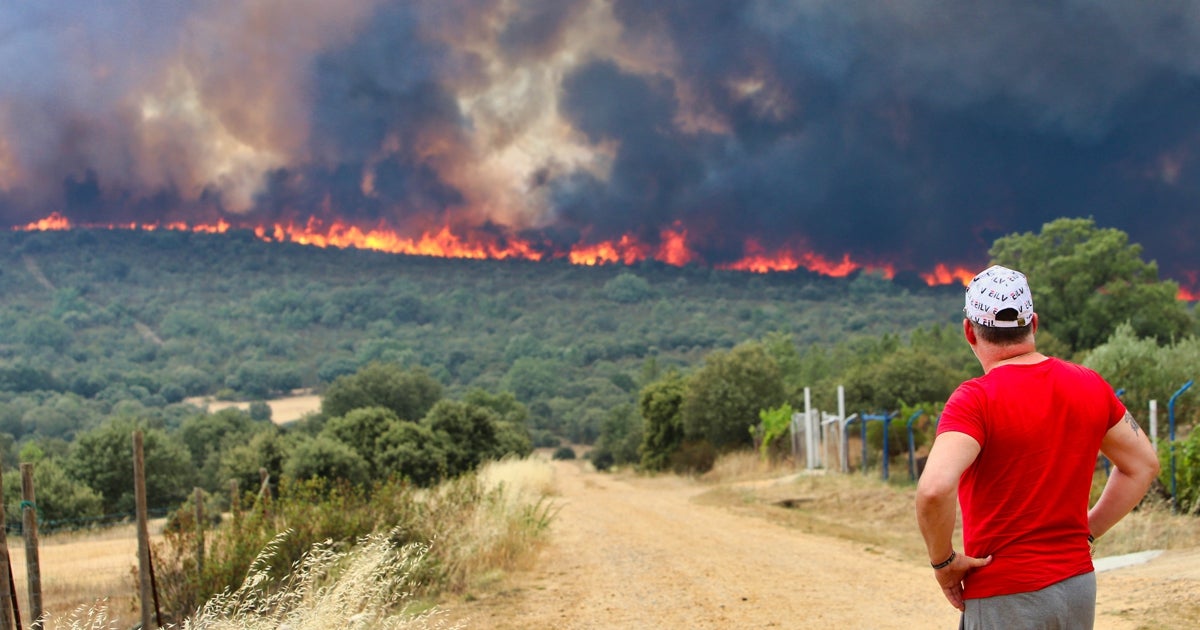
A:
1025	498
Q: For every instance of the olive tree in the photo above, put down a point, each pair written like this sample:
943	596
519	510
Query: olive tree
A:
1088	280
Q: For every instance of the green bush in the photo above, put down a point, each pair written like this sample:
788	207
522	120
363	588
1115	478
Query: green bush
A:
476	528
564	453
1187	471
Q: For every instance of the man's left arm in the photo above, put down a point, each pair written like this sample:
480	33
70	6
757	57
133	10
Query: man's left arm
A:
937	495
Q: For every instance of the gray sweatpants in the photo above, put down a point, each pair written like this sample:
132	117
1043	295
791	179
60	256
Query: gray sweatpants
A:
1066	605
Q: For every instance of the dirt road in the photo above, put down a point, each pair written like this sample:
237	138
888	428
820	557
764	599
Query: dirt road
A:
629	552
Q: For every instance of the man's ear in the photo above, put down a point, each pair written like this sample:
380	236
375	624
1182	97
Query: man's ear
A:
969	331
1034	324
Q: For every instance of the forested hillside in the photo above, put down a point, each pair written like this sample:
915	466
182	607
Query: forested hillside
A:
93	321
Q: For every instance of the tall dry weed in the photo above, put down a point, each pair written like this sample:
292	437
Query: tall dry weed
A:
366	586
745	465
501	515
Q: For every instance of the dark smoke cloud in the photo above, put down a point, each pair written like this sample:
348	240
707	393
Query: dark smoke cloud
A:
907	133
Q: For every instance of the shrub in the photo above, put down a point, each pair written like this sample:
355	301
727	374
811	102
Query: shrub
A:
1187	471
564	452
472	526
628	288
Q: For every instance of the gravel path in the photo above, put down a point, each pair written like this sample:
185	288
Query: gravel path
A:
629	552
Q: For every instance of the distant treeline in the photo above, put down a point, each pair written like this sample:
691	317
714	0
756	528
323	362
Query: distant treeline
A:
96	320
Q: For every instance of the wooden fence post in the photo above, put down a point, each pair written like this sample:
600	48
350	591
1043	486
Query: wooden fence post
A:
6	587
33	569
145	587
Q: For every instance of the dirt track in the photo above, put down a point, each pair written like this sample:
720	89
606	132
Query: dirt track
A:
631	552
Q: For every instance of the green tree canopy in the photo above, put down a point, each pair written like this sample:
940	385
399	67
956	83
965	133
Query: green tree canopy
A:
103	459
361	429
660	404
1147	371
723	398
906	375
410	393
1088	280
61	500
412	451
323	457
467	433
267	449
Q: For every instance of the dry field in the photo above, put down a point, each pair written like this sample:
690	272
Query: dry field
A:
283	410
82	569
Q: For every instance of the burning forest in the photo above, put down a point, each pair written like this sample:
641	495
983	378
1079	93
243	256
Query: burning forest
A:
758	136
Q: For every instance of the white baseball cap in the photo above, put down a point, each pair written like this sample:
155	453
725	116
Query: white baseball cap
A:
997	289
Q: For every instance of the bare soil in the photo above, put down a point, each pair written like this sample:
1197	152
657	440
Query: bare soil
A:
670	552
284	409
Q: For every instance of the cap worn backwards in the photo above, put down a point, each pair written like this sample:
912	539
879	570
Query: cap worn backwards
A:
996	289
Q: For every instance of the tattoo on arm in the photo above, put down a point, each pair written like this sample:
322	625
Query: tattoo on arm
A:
1132	423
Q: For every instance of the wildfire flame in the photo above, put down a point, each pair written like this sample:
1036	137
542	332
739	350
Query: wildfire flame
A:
945	275
673	248
1190	294
760	261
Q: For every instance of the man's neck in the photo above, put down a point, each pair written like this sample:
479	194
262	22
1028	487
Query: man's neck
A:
991	357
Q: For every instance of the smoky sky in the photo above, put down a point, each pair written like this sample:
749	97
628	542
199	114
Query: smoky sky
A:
909	133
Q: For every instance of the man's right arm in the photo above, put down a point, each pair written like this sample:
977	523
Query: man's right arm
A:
1135	465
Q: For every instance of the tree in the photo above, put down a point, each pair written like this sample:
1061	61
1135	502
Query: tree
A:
323	457
467	433
361	429
207	433
723	398
103	459
660	404
906	375
620	437
410	394
61	500
529	378
412	451
628	288
1147	371
267	449
1087	280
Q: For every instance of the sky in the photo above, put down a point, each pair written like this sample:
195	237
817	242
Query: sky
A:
901	135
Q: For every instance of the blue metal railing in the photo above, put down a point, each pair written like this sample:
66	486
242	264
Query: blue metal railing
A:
1171	420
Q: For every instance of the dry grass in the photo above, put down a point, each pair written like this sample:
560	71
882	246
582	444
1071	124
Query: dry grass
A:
283	410
367	586
501	532
864	508
362	587
80	569
88	579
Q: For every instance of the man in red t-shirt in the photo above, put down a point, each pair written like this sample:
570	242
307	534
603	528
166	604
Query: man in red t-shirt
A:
1018	447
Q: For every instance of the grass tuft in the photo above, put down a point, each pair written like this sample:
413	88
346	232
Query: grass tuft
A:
368	585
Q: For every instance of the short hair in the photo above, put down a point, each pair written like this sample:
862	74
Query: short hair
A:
1004	336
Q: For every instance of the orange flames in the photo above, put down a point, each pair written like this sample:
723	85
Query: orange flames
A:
1193	280
760	261
443	243
672	249
944	275
55	221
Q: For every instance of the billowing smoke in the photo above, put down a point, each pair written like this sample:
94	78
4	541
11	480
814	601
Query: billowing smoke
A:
905	133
